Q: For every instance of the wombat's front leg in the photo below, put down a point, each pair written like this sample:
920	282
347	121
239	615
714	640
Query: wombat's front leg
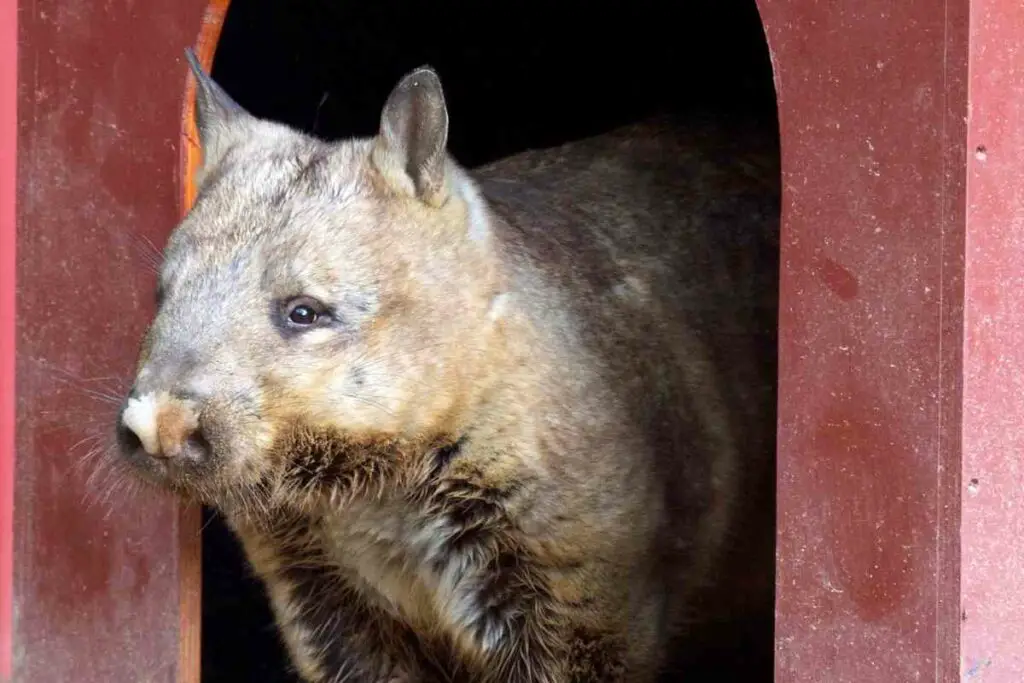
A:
522	634
334	635
331	632
543	644
511	626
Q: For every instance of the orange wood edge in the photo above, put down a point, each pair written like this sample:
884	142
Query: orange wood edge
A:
190	516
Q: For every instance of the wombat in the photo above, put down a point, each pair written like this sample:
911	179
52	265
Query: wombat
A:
503	425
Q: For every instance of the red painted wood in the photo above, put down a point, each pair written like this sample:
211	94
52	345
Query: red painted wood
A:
992	542
872	98
97	581
8	147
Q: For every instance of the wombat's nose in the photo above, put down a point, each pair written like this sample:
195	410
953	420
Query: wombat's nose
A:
162	425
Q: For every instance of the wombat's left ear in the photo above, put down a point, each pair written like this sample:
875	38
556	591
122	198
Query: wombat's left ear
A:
220	121
410	149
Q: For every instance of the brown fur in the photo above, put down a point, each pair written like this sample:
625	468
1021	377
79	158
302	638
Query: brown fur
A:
532	443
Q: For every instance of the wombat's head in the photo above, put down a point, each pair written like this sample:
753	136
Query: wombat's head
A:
314	288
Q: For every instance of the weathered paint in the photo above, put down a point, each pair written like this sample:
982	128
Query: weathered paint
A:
8	169
97	587
872	99
992	531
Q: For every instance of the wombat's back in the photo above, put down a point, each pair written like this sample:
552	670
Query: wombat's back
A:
693	203
661	240
682	215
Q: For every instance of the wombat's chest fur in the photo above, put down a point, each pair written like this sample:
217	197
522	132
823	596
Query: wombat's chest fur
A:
508	426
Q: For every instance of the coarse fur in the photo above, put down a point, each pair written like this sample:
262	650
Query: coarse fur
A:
528	436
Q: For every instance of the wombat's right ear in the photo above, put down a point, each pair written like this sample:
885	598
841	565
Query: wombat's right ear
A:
220	121
410	149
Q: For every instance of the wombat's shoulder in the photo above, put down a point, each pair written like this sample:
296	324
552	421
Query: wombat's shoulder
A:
667	192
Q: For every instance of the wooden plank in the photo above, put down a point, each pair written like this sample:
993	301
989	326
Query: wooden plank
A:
992	531
97	576
8	182
871	100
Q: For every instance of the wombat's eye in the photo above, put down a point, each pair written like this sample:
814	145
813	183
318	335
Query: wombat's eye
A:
304	312
302	315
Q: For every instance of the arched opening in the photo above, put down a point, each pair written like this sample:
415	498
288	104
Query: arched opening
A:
517	76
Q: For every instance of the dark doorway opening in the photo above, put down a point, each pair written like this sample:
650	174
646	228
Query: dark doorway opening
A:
516	75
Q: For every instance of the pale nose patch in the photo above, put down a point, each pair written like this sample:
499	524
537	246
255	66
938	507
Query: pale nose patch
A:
161	422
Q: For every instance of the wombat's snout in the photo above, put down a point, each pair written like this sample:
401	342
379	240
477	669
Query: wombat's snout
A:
162	425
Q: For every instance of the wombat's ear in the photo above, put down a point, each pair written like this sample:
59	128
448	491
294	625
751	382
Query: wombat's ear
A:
410	149
220	121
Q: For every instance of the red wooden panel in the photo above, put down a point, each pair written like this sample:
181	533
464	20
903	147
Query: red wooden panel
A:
872	103
992	542
8	142
97	581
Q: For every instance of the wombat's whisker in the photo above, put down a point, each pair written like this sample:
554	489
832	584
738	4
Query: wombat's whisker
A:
207	523
99	445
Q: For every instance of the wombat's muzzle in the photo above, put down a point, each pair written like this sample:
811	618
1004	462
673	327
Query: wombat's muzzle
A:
162	426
